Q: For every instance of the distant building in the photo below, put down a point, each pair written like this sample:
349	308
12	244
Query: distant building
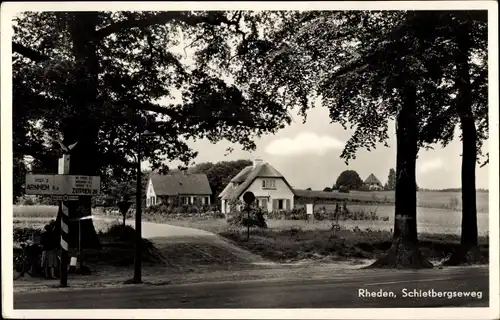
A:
179	188
373	183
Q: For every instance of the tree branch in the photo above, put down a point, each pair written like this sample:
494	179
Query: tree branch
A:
28	52
213	18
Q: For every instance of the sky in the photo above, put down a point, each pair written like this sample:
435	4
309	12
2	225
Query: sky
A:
308	156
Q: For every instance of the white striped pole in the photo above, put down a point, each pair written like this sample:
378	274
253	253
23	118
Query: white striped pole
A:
64	245
64	226
64	169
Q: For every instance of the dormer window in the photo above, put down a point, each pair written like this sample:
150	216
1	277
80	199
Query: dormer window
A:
268	184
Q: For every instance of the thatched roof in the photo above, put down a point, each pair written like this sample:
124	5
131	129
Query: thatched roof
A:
247	176
372	180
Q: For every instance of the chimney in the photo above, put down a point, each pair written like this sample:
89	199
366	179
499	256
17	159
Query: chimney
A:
256	162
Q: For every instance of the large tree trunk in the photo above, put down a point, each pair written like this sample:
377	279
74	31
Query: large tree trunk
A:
81	126
404	252
468	249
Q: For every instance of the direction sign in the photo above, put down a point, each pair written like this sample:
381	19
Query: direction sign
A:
39	184
83	185
74	185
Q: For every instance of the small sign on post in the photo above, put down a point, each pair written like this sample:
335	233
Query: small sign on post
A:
63	167
310	212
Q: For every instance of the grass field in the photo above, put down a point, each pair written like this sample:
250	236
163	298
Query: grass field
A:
426	199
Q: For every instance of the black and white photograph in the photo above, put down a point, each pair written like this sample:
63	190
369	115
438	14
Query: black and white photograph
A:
250	160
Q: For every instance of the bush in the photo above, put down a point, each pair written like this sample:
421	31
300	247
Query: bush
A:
26	201
256	219
344	189
321	214
118	231
298	213
186	210
22	235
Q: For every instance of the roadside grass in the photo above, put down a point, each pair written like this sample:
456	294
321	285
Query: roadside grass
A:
294	244
287	241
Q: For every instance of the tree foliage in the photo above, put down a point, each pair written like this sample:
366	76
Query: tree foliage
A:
112	89
219	174
349	179
391	180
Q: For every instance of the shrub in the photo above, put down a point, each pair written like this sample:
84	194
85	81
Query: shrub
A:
25	234
26	201
255	219
217	215
297	214
321	214
184	210
344	189
118	231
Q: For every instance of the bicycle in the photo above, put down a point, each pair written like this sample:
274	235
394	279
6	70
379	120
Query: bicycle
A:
28	262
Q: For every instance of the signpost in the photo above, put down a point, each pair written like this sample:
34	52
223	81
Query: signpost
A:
248	197
310	212
63	184
64	188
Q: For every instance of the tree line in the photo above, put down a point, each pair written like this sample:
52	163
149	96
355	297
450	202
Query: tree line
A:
96	77
351	180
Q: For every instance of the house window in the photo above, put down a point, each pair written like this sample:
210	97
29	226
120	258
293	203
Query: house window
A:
185	200
268	184
280	204
207	200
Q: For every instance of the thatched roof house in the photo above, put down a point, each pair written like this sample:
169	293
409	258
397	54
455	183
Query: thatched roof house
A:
373	181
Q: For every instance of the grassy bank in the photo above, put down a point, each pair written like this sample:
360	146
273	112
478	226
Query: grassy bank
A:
298	244
286	241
